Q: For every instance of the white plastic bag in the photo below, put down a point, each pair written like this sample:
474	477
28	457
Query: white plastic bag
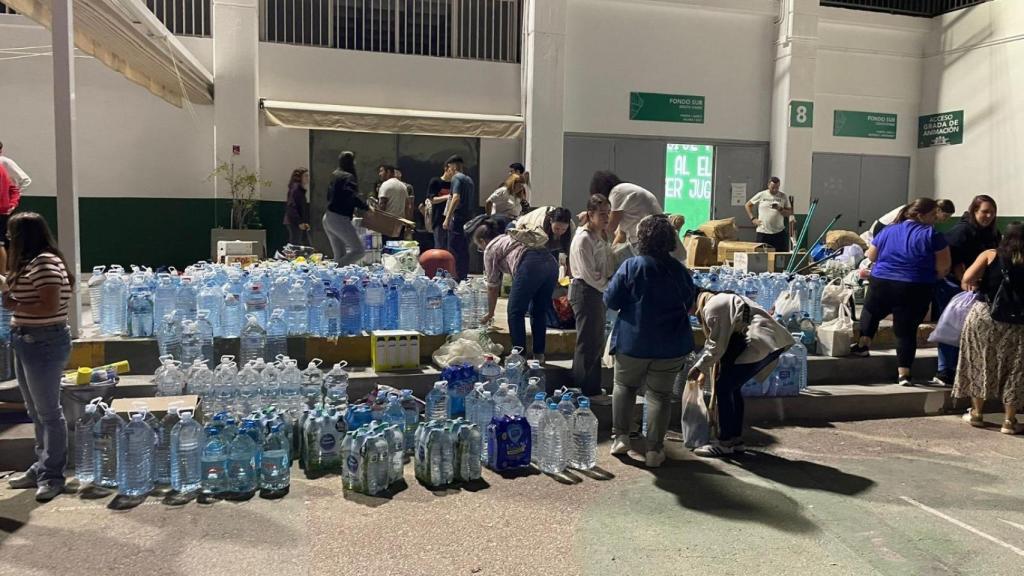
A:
695	424
836	335
466	347
787	304
834	296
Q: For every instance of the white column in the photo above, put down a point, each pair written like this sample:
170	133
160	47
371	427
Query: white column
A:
795	61
544	64
64	134
236	25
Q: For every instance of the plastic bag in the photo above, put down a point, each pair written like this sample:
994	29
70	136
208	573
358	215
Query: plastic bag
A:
787	304
836	335
406	262
951	323
466	347
695	424
833	296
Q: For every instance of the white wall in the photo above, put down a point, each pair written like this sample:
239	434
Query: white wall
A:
614	47
975	63
130	142
329	76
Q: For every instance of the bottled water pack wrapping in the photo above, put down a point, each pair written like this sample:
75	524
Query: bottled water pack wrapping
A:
509	443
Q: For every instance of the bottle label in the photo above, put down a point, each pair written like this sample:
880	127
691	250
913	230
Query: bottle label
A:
328	442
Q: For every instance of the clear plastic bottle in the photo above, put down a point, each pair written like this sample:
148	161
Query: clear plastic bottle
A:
164	296
186	454
254	298
253	342
279	292
800	359
332	314
490	371
534	413
185	301
250	383
200	380
515	368
135	457
486	409
584	437
171	380
396	450
191	346
530	391
242	464
214	463
376	297
567	404
168	336
277	335
140	310
467	298
433	310
452	308
336	385
391	302
313	383
162	455
211	298
437	401
297	313
808	334
408	307
85	459
375	455
291	385
96	294
317	299
205	331
411	408
553	433
106	438
231	317
351	303
115	305
276	462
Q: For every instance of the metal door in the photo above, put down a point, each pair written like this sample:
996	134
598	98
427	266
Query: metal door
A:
582	157
642	162
745	166
884	185
836	183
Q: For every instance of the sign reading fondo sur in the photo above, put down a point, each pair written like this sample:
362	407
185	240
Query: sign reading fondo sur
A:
942	129
654	107
853	124
688	174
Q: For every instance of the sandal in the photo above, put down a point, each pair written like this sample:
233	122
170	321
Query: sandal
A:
1010	427
976	421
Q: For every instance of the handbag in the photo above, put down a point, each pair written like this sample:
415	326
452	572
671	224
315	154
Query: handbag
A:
1008	303
696	425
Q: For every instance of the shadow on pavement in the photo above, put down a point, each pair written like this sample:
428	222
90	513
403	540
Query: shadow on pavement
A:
802	474
15	512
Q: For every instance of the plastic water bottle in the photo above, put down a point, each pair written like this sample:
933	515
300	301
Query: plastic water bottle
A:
211	298
751	289
411	409
408	307
331	326
489	374
537	371
817	287
85	459
584	437
191	346
253	342
553	433
515	368
135	457
96	294
375	456
396	450
313	382
351	309
376	297
567	406
317	298
205	331
800	354
291	385
452	312
336	386
171	380
242	464
508	403
250	385
231	317
162	454
106	438
467	298
529	392
164	296
276	461
808	334
200	380
168	336
297	312
140	312
186	299
186	454
433	311
255	301
437	401
214	463
534	413
391	301
115	305
277	335
279	293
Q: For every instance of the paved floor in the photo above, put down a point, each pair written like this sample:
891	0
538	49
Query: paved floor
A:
922	496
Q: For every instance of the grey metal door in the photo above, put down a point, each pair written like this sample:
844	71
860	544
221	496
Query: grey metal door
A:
884	185
642	162
836	183
741	165
582	157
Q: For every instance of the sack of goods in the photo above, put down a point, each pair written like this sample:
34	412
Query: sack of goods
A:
839	239
834	296
695	425
951	322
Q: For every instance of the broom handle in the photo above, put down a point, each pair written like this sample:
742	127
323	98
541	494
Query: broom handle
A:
803	234
822	235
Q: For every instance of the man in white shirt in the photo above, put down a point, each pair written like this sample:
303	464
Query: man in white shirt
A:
773	208
393	193
629	204
14	171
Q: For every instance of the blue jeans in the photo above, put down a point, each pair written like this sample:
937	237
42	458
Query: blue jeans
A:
40	355
533	284
948	355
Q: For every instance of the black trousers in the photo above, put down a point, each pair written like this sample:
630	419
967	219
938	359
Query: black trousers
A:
908	303
298	237
588	307
779	240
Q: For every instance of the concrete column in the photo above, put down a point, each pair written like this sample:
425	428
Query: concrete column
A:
236	81
62	31
544	75
795	60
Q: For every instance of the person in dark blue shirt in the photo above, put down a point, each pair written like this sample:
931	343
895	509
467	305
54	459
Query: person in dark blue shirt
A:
909	257
653	294
461	206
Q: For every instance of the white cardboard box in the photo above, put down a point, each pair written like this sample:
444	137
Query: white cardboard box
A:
754	262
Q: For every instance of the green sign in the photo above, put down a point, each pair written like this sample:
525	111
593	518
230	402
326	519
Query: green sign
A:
942	129
864	124
666	107
801	114
688	175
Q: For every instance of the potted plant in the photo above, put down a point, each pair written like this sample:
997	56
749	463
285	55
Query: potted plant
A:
243	187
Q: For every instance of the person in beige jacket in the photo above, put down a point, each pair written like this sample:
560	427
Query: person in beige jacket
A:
745	342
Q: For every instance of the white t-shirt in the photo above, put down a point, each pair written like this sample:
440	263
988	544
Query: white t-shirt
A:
635	203
883	221
503	202
772	220
397	194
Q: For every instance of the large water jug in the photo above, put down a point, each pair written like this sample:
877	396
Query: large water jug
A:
135	457
291	385
437	401
162	454
277	335
396	451
317	298
96	294
452	312
186	300
534	413
242	464
480	299
313	382
817	288
467	298
255	301
168	335
191	347
164	296
297	312
276	461
408	307
214	463
515	369
106	438
331	326
234	284
250	382
375	457
376	297
584	437
432	319
336	386
351	309
212	298
85	459
186	454
115	305
553	433
490	371
808	334
751	289
799	353
205	331
279	293
231	317
200	379
391	306
253	342
171	380
140	311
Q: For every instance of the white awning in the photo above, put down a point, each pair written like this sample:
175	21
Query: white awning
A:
128	38
390	120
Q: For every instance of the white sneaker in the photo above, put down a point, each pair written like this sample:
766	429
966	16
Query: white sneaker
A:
655	458
714	451
619	447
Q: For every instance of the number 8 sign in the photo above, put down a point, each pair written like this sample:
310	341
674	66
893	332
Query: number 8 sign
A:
801	114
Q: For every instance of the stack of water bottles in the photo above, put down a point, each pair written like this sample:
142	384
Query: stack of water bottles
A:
788	379
286	299
765	288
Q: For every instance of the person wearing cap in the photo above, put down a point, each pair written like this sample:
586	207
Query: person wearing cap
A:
458	211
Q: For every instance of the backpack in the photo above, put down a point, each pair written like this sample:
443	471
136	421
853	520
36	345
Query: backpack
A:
1008	304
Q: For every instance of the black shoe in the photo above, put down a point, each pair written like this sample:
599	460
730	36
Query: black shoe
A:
860	351
47	492
905	381
23	481
942	380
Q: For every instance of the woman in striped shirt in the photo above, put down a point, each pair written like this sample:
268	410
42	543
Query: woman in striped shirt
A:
37	292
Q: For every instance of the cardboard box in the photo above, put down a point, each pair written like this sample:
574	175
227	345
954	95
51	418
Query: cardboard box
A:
727	248
394	350
755	262
700	251
236	248
242	261
157	405
777	261
384	223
